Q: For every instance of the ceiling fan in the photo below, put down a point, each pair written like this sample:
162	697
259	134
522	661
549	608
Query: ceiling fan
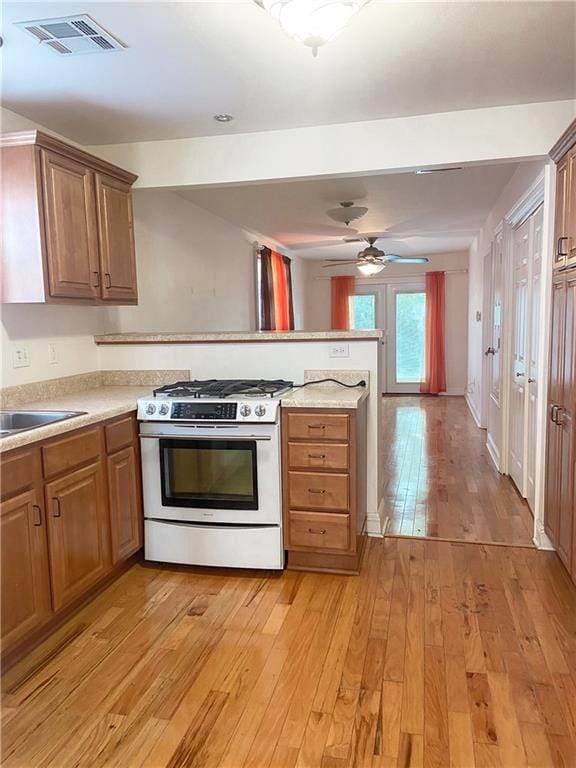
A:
372	260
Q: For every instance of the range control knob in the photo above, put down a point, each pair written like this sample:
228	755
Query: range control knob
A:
245	410
150	409
164	409
260	410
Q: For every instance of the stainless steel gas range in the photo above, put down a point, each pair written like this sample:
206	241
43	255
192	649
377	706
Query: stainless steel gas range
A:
211	473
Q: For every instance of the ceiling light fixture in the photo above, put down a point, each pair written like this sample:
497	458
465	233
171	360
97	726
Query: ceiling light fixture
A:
223	118
347	212
312	22
370	268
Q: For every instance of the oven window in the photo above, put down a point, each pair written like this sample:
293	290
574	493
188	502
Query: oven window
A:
215	474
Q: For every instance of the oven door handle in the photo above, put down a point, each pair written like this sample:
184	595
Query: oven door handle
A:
239	438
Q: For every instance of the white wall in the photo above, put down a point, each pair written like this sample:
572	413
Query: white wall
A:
318	305
522	179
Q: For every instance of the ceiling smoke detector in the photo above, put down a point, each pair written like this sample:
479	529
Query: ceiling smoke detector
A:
347	212
71	35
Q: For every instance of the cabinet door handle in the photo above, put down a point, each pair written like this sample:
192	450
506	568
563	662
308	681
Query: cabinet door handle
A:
316	490
559	417
37	514
559	248
108	279
321	530
97	278
316	455
57	510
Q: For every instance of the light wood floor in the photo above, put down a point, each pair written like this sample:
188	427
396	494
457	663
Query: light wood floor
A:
439	478
437	654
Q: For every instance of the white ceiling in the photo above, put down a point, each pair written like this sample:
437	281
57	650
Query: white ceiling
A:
187	61
435	213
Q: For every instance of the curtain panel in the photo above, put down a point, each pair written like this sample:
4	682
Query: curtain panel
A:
342	289
435	375
275	297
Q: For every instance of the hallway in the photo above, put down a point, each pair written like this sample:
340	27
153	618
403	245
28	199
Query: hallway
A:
439	479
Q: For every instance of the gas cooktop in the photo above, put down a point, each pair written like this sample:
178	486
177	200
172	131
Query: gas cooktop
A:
223	388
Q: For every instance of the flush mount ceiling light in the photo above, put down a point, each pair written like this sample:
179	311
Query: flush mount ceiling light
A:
223	118
347	212
312	22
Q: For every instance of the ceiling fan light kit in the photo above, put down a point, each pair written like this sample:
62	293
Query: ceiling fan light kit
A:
312	22
347	212
370	268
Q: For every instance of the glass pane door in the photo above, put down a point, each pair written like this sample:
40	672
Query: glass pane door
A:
406	337
363	311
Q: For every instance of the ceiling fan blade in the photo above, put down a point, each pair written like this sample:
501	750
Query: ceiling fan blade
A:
406	259
340	263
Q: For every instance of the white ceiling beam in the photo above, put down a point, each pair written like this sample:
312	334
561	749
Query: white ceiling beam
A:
517	132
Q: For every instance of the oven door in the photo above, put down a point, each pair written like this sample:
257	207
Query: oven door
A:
223	474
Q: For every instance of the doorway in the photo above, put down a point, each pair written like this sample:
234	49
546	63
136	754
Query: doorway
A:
398	309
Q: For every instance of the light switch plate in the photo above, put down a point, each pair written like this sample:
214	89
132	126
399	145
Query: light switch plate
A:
52	354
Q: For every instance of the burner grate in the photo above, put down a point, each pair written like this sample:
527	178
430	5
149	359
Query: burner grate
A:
223	388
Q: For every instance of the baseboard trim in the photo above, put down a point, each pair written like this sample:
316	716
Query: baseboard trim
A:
494	452
472	409
375	523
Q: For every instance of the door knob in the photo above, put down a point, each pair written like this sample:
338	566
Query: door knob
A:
531	381
490	351
518	374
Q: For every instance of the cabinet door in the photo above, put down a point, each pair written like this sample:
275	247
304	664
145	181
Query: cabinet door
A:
561	244
79	532
70	226
555	397
116	237
567	419
570	211
125	504
25	584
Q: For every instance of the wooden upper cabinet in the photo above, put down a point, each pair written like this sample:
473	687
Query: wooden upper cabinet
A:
571	211
564	155
25	577
561	238
67	233
70	225
79	532
116	236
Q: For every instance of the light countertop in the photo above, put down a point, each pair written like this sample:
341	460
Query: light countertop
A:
325	396
99	404
234	337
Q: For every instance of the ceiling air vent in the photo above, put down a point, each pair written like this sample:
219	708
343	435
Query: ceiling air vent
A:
72	35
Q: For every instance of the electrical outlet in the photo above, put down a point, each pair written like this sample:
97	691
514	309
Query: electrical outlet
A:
339	350
52	354
21	357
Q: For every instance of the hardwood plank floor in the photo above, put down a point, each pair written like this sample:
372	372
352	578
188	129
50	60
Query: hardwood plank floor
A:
440	481
437	654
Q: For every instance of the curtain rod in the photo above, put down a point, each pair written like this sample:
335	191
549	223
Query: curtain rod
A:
397	277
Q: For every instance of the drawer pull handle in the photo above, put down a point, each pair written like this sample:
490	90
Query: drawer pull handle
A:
57	511
321	530
37	514
316	490
316	455
316	426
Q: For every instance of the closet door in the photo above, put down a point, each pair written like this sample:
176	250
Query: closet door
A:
533	373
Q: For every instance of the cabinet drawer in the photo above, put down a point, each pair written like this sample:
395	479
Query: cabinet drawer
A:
19	471
120	434
317	530
318	426
320	491
318	456
70	452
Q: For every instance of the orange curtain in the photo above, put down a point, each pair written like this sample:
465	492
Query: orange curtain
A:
281	304
435	376
342	290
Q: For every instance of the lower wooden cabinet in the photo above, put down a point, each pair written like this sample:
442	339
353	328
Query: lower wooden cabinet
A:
79	533
124	503
25	578
70	514
324	488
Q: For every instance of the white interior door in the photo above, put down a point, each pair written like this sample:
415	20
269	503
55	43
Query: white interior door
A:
493	353
532	383
520	268
405	347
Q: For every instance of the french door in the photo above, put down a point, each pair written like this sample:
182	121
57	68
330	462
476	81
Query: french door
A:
400	310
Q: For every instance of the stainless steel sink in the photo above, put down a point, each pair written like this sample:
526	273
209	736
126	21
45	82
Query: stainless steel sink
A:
20	421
